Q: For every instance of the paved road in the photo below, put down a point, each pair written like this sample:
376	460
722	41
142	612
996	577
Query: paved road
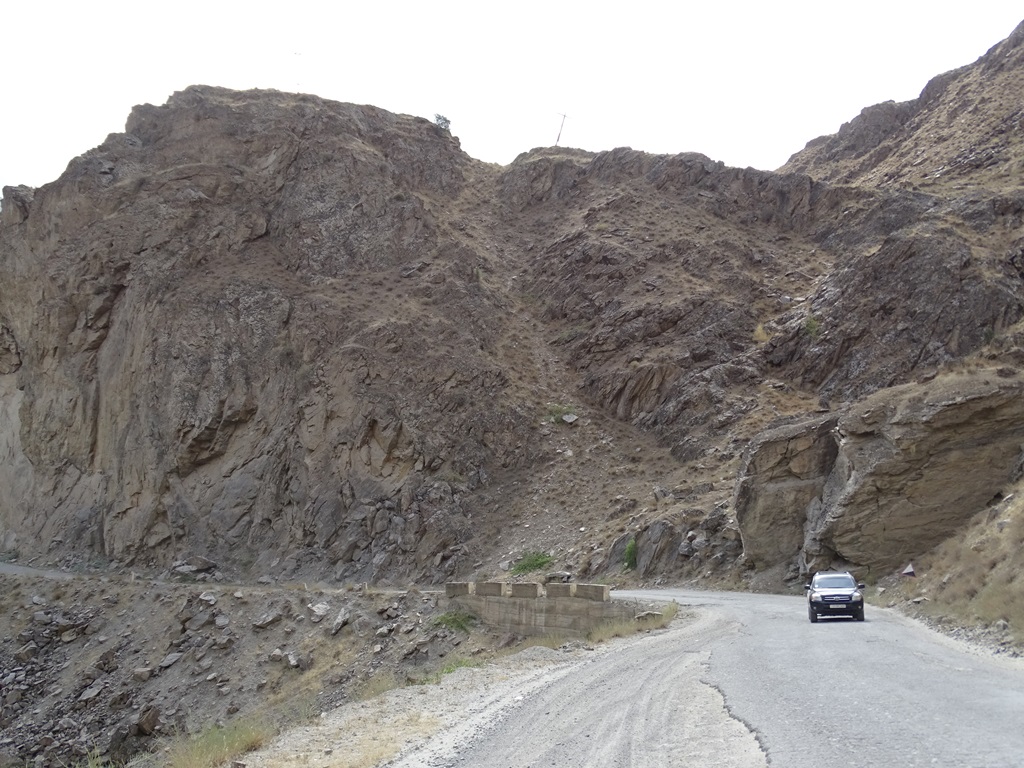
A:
885	692
747	681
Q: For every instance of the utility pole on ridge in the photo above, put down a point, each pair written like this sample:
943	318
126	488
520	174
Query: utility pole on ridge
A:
560	129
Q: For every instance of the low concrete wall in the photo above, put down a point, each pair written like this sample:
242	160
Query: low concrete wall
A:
456	588
491	588
599	592
561	590
565	616
568	609
528	589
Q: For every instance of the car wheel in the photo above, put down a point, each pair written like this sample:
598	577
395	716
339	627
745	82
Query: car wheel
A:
859	616
812	615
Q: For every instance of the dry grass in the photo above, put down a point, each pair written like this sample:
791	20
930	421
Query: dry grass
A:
218	745
380	682
293	699
540	641
978	578
366	748
452	664
627	627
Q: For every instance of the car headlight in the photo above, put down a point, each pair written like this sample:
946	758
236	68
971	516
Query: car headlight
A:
857	596
815	595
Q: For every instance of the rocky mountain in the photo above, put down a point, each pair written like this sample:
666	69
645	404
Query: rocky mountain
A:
297	337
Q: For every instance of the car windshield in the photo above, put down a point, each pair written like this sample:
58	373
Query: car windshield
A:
837	581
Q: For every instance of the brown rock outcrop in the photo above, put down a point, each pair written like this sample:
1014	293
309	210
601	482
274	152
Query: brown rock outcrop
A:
211	339
890	478
781	482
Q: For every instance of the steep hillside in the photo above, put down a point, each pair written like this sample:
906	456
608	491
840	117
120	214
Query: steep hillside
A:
299	337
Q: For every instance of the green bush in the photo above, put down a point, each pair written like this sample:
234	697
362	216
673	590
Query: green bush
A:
630	557
442	122
456	620
532	561
812	326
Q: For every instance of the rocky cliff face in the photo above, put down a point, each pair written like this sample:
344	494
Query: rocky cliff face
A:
890	477
302	336
230	335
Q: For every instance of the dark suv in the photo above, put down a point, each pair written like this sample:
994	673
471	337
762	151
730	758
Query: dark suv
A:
834	594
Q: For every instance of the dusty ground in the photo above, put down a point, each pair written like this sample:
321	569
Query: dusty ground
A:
626	685
362	734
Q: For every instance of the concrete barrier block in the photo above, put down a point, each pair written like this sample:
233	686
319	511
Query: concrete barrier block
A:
598	592
458	588
491	589
527	589
561	590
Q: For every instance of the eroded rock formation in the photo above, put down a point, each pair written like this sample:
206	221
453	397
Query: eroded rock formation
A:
892	476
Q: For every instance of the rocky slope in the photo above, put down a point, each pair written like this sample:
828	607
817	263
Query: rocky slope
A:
117	666
962	133
307	338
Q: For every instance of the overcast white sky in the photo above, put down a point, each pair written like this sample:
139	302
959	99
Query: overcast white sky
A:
746	82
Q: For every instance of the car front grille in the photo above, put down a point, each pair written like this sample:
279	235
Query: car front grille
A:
836	598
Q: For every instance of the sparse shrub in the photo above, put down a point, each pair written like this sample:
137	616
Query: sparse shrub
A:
812	327
570	335
630	556
456	620
760	334
532	561
450	476
556	411
442	122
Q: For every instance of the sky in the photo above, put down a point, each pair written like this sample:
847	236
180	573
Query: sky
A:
747	82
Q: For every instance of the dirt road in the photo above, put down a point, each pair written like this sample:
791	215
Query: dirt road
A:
640	703
633	702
